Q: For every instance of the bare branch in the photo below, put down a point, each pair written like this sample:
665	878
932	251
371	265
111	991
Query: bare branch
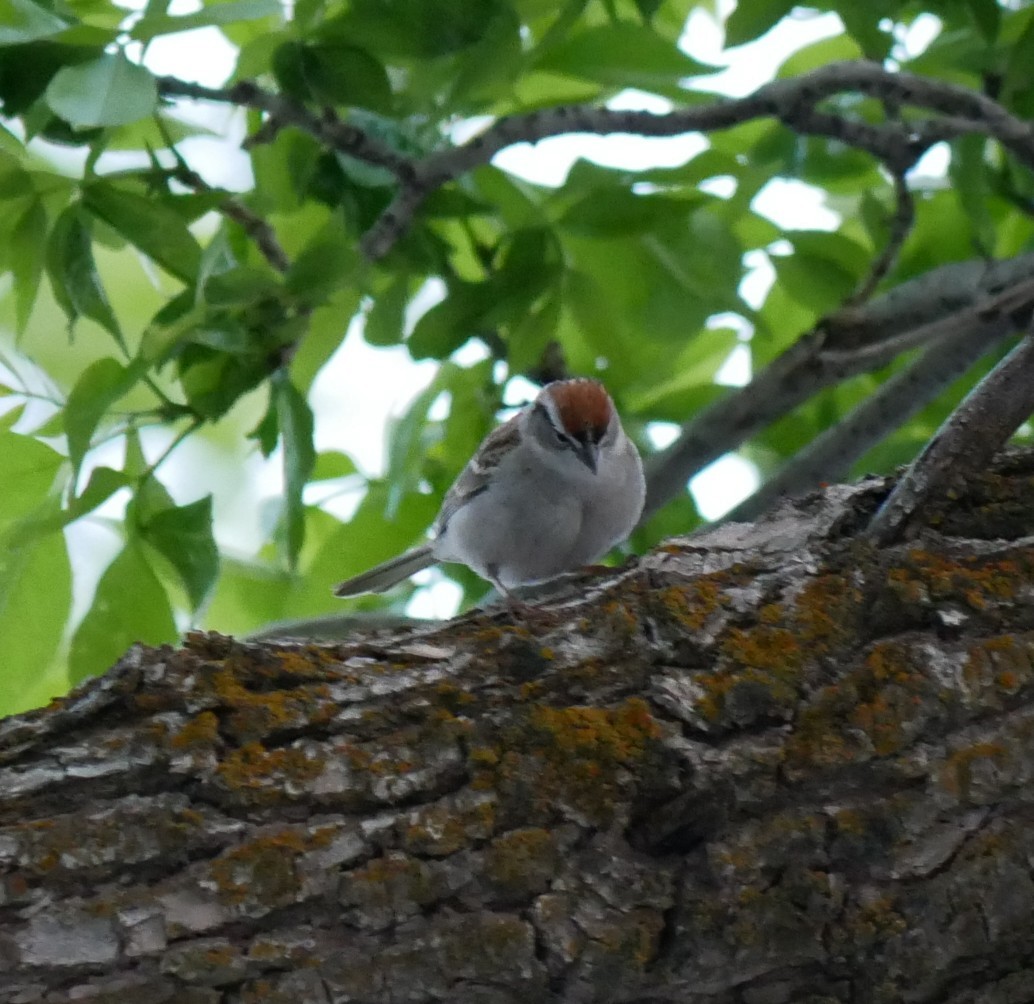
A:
794	101
898	143
949	301
964	445
829	457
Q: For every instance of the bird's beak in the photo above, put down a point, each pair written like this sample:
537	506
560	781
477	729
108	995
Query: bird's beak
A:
588	454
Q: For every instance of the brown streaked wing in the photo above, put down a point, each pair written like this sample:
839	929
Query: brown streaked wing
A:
476	476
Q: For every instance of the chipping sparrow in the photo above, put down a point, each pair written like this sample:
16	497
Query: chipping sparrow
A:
551	489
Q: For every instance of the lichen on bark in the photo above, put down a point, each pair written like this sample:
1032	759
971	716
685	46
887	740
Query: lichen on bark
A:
765	764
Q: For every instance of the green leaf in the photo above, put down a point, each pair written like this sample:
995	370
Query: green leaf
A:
334	74
987	16
24	21
102	484
624	55
447	325
410	439
385	323
183	535
691	384
814	280
100	386
332	464
47	518
326	329
329	261
28	248
35	601
488	68
751	20
368	537
150	225
612	212
823	52
108	91
864	24
1018	85
296	428
73	272
247	595
969	176
129	606
267	432
30	469
423	29
534	332
152	25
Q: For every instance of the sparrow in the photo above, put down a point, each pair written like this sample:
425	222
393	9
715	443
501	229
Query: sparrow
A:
550	490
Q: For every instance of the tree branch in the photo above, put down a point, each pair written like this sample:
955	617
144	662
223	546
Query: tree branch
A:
950	300
257	229
326	127
830	456
898	143
793	102
900	227
751	767
964	445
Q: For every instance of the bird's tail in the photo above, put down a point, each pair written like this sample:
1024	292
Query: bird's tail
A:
384	576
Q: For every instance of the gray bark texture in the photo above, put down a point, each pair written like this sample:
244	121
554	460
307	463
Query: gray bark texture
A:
771	763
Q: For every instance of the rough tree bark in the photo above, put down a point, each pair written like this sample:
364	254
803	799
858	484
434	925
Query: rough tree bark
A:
767	764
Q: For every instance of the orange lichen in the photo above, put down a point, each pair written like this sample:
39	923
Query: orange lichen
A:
443	829
692	604
520	862
762	664
956	775
260	771
884	700
568	755
201	731
874	921
978	582
1004	662
261	870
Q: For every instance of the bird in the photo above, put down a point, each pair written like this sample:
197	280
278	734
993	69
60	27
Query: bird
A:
548	491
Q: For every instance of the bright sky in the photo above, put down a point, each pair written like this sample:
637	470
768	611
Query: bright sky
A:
349	396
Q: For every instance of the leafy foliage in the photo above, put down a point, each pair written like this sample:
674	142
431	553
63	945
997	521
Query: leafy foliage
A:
144	308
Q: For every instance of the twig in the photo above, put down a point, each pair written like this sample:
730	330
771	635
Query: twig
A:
192	426
900	227
964	444
326	127
260	232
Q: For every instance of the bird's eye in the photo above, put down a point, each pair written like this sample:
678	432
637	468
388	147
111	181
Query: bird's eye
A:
561	439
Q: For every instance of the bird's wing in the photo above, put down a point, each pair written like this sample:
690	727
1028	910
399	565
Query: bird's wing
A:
476	477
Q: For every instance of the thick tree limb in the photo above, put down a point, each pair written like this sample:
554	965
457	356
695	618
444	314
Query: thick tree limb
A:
769	764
